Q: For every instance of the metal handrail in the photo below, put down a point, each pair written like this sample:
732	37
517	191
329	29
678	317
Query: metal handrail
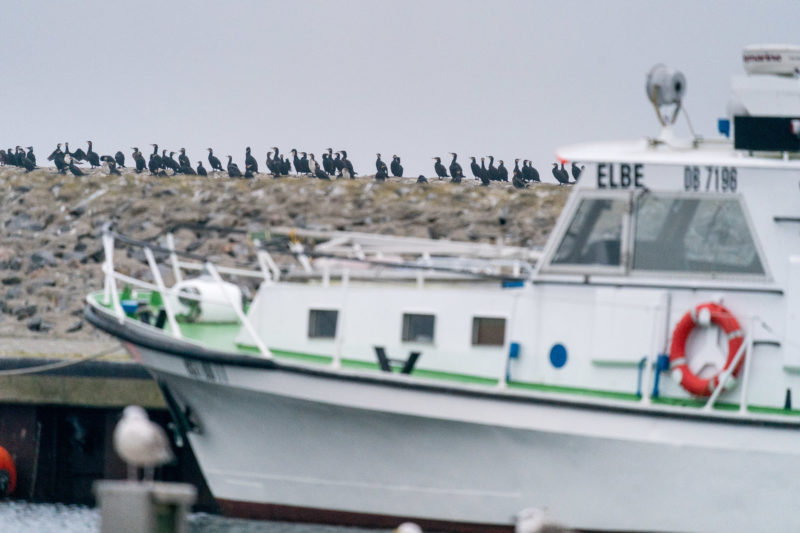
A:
112	295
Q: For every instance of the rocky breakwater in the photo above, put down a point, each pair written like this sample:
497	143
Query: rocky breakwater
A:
50	226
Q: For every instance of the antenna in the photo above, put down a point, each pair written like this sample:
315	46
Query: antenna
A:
665	87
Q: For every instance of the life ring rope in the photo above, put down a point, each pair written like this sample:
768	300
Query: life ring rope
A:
704	315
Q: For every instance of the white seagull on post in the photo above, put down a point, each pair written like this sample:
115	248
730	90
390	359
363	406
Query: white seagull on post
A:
140	442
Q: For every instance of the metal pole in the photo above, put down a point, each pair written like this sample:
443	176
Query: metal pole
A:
746	370
173	258
173	324
237	307
111	282
726	375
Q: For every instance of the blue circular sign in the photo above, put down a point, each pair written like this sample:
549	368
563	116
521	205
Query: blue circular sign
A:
558	355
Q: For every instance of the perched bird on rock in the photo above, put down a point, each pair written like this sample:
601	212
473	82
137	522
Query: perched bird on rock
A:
422	179
397	168
439	168
560	174
140	442
201	170
576	171
214	161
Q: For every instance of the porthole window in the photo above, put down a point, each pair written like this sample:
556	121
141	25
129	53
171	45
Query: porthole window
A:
418	328
322	323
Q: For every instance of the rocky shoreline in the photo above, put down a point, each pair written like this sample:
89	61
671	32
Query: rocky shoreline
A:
50	226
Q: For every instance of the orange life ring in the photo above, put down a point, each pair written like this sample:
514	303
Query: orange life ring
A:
704	315
8	473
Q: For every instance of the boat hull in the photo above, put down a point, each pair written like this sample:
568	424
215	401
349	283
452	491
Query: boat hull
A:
292	443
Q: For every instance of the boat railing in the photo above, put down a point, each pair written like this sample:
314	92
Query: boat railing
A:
112	276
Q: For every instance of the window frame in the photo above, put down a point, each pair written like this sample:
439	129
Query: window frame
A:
694	274
403	327
475	344
560	231
320	337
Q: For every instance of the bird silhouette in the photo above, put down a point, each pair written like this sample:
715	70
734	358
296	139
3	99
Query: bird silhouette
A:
560	174
439	168
576	171
140	442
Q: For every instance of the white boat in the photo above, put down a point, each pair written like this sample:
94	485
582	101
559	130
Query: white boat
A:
635	374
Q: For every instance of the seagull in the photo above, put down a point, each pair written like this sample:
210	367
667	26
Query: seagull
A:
533	520
408	527
140	442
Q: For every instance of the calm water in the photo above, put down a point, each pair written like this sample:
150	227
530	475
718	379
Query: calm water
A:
21	517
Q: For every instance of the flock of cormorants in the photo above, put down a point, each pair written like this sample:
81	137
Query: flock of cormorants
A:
334	164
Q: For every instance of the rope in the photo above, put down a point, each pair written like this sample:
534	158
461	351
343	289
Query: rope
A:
59	364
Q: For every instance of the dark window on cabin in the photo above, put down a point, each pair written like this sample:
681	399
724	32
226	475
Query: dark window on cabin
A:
418	328
488	331
594	236
322	323
708	235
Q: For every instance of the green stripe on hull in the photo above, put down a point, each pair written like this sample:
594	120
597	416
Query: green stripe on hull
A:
223	338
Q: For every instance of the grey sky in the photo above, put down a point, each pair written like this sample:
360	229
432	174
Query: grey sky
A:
417	78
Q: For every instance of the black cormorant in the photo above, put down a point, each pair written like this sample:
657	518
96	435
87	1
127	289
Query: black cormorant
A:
493	174
484	175
169	162
250	162
347	166
72	168
286	165
455	168
32	157
304	163
338	166
422	179
516	171
233	168
397	168
327	162
79	155
518	181
502	172
213	160
138	158
92	157
561	177
576	171
201	170
439	168
317	170
187	169
183	160
296	161
476	170
112	165
119	157
272	165
380	165
24	162
155	159
530	173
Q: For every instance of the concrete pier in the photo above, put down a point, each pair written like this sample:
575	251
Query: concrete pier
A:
57	424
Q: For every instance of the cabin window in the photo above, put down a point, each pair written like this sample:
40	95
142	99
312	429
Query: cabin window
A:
595	234
707	234
322	323
418	328
488	331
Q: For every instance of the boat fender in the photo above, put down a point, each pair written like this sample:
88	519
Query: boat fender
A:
8	473
704	315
